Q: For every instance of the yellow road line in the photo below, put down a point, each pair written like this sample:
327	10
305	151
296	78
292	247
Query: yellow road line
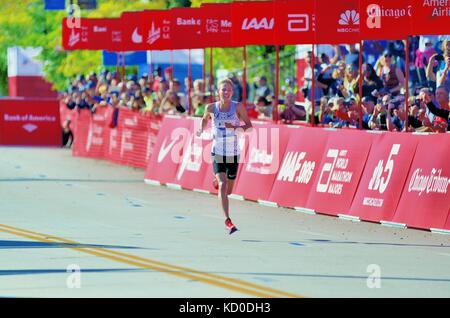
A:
183	272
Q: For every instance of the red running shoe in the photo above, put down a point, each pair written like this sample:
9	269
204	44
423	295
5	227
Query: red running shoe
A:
215	184
230	226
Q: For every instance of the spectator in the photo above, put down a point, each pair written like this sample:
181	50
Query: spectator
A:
170	104
67	135
392	77
262	89
263	107
291	111
442	114
371	82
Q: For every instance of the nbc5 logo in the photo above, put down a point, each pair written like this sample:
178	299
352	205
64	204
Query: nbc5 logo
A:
298	22
378	182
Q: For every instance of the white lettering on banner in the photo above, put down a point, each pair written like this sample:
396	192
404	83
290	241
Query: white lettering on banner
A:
255	24
373	202
441	12
378	182
116	36
349	18
127	136
226	24
262	159
132	122
337	176
29	117
298	22
212	25
175	141
191	21
432	183
98	29
94	136
292	164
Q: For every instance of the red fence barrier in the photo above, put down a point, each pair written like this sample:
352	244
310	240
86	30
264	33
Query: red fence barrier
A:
392	177
30	122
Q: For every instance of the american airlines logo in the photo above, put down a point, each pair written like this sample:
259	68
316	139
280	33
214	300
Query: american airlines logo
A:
298	22
256	24
154	34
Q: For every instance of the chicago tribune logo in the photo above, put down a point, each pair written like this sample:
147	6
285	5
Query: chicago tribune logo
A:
350	22
256	24
375	13
428	183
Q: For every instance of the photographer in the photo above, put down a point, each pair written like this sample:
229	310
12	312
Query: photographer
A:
442	98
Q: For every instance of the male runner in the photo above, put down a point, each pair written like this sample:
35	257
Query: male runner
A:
226	119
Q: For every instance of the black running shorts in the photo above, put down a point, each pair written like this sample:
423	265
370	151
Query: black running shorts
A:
224	164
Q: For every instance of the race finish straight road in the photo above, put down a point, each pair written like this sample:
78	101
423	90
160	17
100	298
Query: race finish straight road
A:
76	227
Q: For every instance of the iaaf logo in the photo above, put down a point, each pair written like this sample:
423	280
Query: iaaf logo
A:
294	165
375	13
256	24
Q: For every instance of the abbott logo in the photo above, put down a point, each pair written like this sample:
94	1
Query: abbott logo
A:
136	37
258	24
154	34
349	17
298	22
328	167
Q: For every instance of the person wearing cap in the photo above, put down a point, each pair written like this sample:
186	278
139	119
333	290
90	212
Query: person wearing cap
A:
262	89
391	75
442	98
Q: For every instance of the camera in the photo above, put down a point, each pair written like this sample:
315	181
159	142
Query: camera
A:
440	57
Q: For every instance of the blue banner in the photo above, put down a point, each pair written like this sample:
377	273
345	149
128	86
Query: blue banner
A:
55	5
131	58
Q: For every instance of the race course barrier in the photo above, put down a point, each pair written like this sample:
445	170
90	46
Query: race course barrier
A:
391	178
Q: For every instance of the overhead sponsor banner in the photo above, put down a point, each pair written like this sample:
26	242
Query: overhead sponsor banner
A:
430	17
260	165
253	23
341	168
337	23
425	200
92	34
132	31
295	22
298	167
217	26
168	152
30	122
158	29
188	28
386	19
385	174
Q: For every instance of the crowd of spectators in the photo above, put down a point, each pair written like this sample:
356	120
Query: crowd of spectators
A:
337	101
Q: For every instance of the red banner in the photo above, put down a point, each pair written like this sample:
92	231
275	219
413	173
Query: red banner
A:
217	25
384	175
253	23
430	17
158	29
133	36
295	22
385	19
168	151
425	200
299	167
267	145
188	24
337	23
340	171
92	34
25	122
